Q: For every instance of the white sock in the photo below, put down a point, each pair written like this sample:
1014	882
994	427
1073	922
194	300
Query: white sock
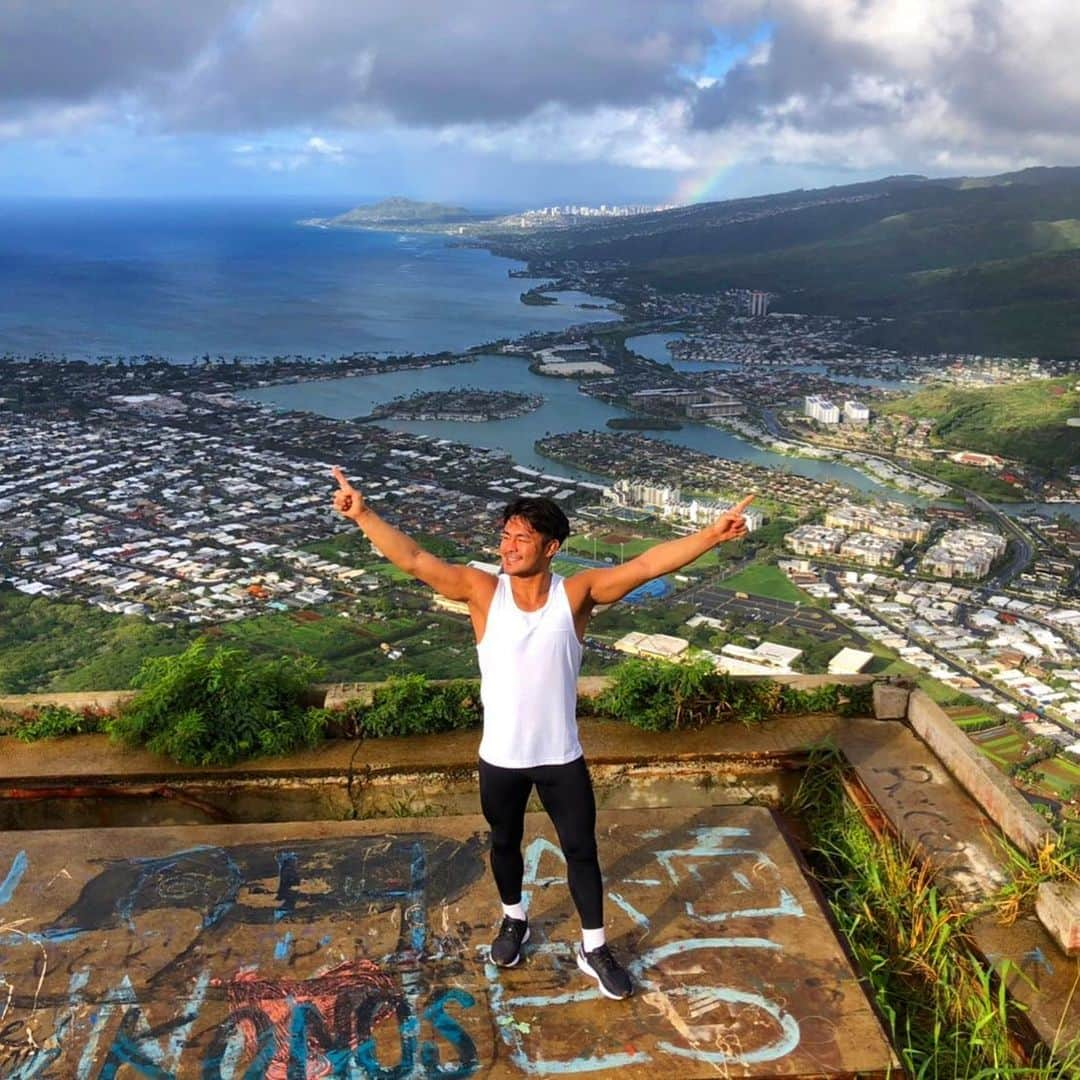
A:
515	911
592	939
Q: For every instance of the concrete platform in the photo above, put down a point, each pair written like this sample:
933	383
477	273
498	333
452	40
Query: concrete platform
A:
331	949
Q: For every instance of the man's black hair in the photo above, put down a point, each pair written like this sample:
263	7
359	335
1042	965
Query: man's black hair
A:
544	515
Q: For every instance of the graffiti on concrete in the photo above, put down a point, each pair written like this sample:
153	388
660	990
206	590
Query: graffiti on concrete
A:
767	1031
337	959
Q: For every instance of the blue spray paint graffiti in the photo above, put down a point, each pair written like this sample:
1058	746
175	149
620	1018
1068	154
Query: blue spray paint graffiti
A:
14	876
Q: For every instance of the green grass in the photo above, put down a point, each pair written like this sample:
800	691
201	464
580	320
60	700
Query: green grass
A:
967	722
53	645
1025	421
944	1012
888	663
762	579
981	481
349	648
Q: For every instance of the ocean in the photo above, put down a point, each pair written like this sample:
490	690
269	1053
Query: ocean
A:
106	278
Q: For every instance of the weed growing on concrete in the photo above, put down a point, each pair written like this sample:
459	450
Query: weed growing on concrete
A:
54	721
411	705
660	696
947	1013
1055	860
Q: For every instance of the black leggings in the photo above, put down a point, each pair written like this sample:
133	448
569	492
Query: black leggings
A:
567	795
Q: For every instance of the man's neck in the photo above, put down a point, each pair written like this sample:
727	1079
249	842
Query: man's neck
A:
531	592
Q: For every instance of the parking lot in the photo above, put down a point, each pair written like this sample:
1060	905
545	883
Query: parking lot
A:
718	603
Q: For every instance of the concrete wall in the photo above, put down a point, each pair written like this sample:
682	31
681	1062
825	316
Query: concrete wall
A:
983	781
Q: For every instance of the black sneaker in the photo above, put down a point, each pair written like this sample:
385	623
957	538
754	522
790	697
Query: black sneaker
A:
506	948
606	970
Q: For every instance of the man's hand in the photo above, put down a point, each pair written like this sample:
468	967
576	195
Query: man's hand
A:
347	500
731	525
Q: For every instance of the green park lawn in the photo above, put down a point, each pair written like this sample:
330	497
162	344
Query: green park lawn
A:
762	579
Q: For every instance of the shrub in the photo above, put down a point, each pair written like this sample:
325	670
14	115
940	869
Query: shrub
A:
53	721
411	705
659	696
217	706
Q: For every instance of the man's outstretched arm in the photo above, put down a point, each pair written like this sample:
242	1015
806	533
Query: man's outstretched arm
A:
606	585
448	579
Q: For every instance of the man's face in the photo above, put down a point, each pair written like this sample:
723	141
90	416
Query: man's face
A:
523	550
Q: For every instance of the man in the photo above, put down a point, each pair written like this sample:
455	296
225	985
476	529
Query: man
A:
529	625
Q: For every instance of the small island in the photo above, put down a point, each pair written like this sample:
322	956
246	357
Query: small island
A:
460	403
538	297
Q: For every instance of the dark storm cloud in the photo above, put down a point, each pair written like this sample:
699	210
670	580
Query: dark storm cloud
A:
69	52
806	68
209	64
433	63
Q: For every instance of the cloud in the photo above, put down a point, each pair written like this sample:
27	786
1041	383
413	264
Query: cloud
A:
675	85
288	157
55	51
935	78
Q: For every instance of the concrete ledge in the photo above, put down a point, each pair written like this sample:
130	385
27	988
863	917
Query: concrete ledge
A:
104	700
1058	908
891	701
985	783
335	695
606	742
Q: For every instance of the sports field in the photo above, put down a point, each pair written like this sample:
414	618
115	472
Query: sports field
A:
764	580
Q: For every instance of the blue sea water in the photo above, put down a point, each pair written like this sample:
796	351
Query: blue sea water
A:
106	278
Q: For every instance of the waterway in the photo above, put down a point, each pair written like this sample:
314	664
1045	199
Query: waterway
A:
565	409
654	347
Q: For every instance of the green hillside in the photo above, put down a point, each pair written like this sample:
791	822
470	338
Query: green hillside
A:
990	265
1025	421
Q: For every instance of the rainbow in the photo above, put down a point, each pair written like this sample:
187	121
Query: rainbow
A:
698	186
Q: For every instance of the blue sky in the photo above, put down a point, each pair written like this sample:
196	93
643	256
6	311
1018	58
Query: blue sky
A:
496	104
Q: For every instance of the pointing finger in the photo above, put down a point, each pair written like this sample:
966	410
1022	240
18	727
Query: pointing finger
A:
341	478
741	506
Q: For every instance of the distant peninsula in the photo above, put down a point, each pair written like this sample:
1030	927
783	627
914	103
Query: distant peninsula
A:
396	212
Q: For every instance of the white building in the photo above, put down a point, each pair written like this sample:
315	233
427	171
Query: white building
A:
849	661
964	553
821	409
855	412
870	550
814	540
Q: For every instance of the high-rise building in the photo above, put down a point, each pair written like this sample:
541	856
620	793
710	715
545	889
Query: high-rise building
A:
855	412
821	409
759	303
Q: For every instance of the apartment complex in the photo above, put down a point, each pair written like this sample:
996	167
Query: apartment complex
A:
964	553
879	522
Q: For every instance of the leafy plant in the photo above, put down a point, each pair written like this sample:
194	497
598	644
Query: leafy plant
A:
659	696
411	705
54	721
211	706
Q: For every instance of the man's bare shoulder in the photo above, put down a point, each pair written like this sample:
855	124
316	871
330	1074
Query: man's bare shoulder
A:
579	586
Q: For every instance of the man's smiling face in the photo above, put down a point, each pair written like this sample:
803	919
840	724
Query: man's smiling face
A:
523	550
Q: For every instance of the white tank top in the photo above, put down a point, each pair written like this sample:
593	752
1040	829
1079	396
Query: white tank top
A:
529	664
